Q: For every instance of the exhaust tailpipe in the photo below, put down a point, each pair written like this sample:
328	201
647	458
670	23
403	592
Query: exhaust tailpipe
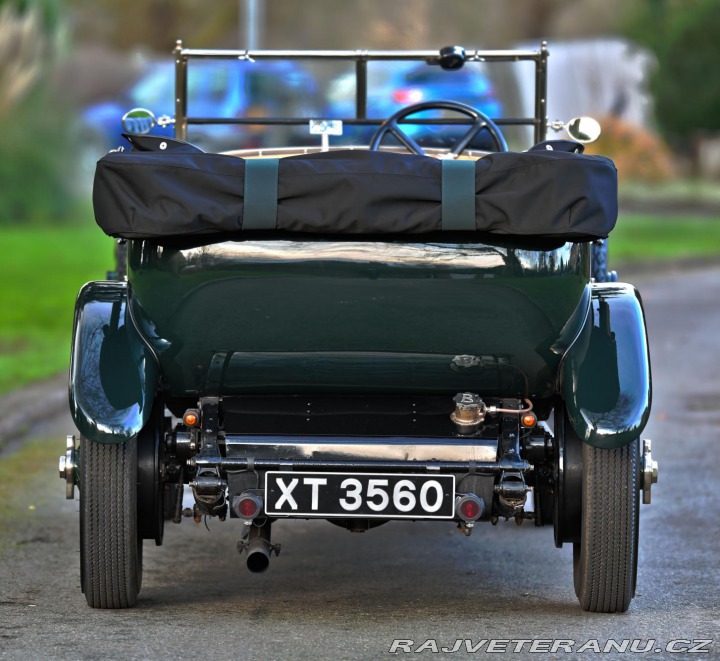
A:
259	548
258	558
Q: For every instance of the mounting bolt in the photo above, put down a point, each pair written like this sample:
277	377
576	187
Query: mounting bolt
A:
649	474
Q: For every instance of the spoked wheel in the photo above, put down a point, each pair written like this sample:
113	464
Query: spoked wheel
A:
110	548
605	558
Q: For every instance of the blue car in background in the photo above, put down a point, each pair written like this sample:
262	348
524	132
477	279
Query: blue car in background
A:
225	88
394	85
216	88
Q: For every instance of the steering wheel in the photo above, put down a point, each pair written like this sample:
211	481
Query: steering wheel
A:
480	122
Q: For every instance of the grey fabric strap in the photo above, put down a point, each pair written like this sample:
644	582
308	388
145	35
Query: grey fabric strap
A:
261	194
458	195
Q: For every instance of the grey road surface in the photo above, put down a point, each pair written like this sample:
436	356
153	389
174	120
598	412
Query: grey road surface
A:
337	595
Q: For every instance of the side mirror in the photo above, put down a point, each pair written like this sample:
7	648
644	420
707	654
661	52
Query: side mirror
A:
138	121
583	129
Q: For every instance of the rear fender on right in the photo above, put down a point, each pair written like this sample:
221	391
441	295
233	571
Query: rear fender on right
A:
605	375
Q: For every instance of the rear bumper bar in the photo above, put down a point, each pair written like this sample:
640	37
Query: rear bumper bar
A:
363	448
482	468
385	453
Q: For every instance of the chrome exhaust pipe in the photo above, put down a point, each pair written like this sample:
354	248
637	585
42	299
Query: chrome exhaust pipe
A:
259	548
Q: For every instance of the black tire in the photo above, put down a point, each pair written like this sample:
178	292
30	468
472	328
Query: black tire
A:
605	559
110	548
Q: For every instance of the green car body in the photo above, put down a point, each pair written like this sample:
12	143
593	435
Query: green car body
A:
280	317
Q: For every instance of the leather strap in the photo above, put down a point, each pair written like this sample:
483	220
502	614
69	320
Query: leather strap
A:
458	195
260	194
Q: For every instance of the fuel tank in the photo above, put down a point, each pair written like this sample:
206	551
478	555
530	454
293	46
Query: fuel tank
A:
345	316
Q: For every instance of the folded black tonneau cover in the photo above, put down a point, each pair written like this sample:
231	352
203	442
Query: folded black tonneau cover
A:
549	194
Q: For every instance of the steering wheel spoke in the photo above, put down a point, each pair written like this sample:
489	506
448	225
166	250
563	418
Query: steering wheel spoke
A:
405	139
467	138
480	122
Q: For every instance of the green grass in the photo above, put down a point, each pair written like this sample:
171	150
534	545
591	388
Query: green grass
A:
642	238
41	270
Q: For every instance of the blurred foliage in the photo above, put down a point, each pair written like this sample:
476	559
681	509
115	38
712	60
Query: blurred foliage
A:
684	35
50	10
34	168
154	25
45	267
639	155
22	51
36	177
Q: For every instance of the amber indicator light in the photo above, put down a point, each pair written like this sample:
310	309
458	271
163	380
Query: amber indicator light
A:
191	418
529	420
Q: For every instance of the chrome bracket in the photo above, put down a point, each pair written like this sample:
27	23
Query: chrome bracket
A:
512	492
649	471
243	545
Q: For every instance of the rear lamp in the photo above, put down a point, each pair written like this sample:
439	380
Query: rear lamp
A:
469	507
408	96
247	505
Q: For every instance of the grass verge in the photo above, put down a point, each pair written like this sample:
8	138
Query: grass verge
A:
644	238
42	269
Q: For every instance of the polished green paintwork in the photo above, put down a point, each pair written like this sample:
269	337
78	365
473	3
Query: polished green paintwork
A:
606	374
348	316
113	373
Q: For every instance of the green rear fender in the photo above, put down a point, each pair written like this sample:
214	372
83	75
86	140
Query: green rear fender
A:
605	375
113	373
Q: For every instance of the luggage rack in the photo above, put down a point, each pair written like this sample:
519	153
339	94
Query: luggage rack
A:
361	59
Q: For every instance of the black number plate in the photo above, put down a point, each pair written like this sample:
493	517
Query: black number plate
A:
360	495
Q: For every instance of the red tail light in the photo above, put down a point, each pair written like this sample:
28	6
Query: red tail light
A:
247	506
469	507
408	96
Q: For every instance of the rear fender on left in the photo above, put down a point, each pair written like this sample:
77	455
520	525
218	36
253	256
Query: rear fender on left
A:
113	373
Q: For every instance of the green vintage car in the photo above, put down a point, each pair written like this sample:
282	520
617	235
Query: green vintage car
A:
360	334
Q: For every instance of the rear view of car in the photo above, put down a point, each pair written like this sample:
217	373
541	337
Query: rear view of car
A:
360	335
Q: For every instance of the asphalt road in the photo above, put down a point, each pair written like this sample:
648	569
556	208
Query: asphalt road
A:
337	595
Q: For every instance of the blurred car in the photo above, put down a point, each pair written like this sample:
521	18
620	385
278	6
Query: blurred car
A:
216	88
396	84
